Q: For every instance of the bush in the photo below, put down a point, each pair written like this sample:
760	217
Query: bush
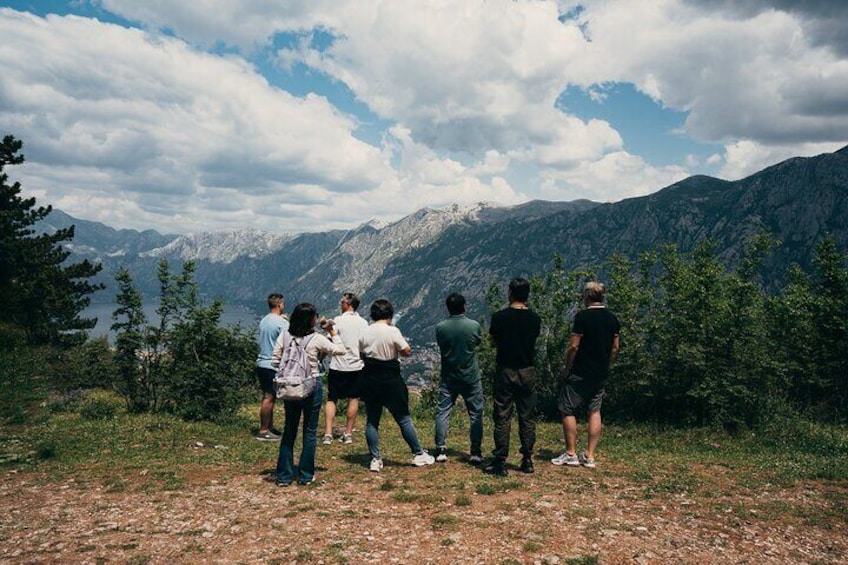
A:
98	408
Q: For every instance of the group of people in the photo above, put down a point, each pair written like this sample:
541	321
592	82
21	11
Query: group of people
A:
364	363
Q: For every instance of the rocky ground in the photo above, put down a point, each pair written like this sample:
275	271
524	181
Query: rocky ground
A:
447	513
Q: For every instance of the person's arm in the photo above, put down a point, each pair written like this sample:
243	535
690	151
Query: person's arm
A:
332	346
573	346
277	355
614	350
401	345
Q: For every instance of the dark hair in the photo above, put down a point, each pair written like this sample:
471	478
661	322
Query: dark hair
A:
382	310
351	299
519	289
303	319
275	299
455	303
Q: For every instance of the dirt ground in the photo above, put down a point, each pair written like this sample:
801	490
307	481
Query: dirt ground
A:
447	513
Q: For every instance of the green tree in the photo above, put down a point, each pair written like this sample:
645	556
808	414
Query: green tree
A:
37	291
132	357
187	363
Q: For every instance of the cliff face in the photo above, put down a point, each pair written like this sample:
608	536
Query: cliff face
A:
418	260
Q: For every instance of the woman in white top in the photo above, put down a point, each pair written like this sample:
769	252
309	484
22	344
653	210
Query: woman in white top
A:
302	327
382	385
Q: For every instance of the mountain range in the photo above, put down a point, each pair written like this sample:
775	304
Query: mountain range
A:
418	260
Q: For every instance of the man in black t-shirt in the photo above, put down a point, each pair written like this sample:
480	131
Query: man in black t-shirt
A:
592	348
514	331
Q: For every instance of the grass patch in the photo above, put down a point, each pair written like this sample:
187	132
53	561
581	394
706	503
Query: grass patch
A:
582	560
532	546
445	522
462	500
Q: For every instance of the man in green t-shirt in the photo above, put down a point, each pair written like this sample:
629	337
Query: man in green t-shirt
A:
458	338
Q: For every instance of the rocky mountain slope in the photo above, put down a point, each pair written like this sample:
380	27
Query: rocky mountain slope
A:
417	260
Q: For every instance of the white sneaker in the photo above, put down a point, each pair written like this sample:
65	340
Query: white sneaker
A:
422	459
376	465
566	459
587	461
328	439
347	438
441	454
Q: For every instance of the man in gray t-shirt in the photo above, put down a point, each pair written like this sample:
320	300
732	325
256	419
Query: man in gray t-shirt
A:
270	327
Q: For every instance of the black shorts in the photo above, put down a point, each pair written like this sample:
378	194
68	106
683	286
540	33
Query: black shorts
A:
342	384
577	395
266	380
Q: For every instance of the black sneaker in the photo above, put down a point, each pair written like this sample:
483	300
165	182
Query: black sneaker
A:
268	436
495	467
280	483
441	454
527	465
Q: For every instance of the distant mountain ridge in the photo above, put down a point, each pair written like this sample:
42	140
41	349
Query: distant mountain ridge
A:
420	258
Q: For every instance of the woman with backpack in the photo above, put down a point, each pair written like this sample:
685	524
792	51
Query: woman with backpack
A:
297	353
382	385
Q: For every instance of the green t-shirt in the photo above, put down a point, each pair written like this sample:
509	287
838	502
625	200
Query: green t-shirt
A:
458	339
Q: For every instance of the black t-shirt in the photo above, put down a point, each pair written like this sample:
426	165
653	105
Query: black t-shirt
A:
515	331
597	328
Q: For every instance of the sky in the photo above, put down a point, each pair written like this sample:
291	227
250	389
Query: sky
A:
310	115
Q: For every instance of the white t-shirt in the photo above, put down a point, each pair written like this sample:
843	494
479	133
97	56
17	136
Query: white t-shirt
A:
382	341
351	327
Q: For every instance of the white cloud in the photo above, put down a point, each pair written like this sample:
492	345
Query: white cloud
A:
166	127
753	76
469	88
746	157
616	176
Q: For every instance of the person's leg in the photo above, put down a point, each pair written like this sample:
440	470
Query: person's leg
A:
399	409
525	400
329	416
501	414
266	412
474	403
373	413
266	405
285	459
569	430
311	410
595	427
443	410
352	409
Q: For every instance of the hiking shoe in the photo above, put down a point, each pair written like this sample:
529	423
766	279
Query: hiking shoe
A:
328	439
376	465
495	467
527	465
280	483
441	454
347	438
587	461
423	458
268	436
310	481
566	459
475	459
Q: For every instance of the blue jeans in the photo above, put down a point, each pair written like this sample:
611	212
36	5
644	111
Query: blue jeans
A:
311	408
373	413
472	396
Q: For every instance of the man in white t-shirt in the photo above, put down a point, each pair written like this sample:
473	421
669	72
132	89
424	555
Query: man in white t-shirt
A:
345	370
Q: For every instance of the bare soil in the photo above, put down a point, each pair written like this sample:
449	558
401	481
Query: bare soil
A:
447	513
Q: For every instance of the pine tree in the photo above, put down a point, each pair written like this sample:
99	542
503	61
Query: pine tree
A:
37	292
